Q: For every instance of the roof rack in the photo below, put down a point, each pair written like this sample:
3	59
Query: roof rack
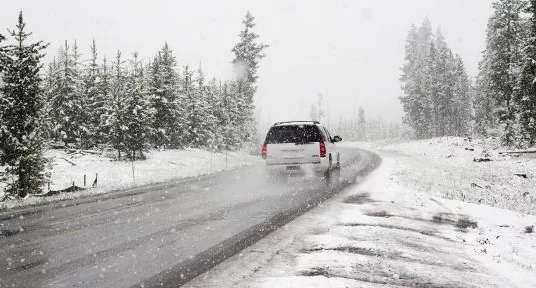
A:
315	122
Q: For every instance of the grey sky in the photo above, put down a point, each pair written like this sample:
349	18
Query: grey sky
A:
350	51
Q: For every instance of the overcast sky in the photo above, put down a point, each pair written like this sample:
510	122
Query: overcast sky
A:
350	51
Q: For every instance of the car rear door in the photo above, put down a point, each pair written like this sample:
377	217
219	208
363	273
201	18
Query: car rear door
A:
331	146
293	145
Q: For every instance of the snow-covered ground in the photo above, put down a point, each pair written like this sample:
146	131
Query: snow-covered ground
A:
394	229
160	166
445	167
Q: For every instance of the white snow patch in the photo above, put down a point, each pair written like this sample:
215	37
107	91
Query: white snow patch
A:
160	166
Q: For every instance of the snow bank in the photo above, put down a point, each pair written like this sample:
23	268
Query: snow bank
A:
160	166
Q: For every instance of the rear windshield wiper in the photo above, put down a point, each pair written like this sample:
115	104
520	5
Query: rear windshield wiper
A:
303	143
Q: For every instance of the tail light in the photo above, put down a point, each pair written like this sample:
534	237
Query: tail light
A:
322	149
264	151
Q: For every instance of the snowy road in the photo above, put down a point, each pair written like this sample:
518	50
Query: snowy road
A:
162	235
382	234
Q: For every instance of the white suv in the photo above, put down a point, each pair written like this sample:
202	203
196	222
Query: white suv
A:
302	144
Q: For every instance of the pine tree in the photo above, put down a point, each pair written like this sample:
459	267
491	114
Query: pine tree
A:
50	87
503	57
227	116
416	73
484	105
116	119
233	108
192	118
66	104
462	102
201	120
361	125
214	111
163	87
21	111
101	106
138	114
247	53
313	113
91	119
81	116
526	97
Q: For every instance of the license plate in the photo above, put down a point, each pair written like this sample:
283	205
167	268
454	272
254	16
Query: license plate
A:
293	167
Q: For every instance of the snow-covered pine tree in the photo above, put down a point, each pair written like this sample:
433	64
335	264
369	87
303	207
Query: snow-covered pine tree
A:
191	119
224	116
443	82
426	80
247	53
410	83
313	114
116	116
429	94
101	105
415	78
50	87
200	123
81	117
526	97
138	114
2	52
213	99
66	104
91	120
461	100
21	110
163	87
361	125
483	104
235	126
503	58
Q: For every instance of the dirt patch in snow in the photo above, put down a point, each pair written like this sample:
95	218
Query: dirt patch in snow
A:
360	198
382	214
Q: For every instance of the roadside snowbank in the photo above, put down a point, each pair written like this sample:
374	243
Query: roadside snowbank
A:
160	166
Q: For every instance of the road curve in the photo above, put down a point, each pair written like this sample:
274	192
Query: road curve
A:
161	235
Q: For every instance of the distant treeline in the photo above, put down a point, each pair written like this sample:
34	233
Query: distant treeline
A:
362	128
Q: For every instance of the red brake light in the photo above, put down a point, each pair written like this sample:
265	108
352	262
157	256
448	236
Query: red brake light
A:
322	149
264	151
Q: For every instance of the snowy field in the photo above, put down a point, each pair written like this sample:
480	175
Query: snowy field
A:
160	166
397	230
445	167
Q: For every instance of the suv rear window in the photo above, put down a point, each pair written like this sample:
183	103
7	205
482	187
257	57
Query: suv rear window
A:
293	134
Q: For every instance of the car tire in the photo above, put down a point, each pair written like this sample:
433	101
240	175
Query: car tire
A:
332	176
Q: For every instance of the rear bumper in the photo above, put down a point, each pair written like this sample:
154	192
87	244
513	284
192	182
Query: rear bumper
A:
321	165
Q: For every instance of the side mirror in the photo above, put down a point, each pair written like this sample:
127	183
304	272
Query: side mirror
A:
337	139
